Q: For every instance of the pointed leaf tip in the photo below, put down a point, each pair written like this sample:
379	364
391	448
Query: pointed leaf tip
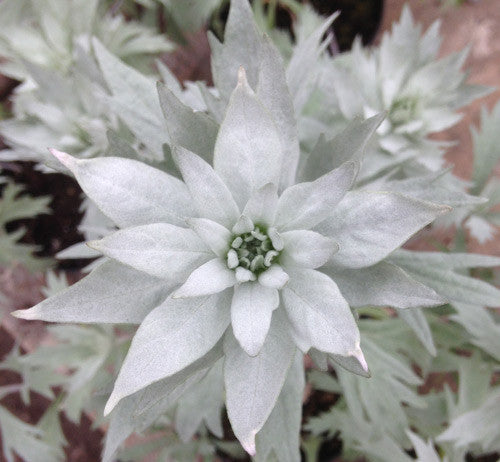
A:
242	77
24	314
94	245
113	400
358	354
110	405
249	445
65	159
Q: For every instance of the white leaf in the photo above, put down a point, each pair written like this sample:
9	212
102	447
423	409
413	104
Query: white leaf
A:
481	325
134	100
248	152
319	359
243	225
439	187
211	196
274	277
23	439
479	426
345	86
111	293
171	337
253	384
129	192
415	318
304	205
192	130
261	207
456	287
480	229
320	316
356	363
382	284
137	412
425	451
273	90
159	249
307	249
486	152
210	278
242	47
77	251
214	235
301	68
348	145
251	311
368	226
281	433
437	270
439	118
443	260
203	402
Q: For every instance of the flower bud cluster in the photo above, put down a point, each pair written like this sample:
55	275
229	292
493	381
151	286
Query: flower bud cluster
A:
253	252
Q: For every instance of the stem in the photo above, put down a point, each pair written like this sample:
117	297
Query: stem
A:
311	448
293	5
271	13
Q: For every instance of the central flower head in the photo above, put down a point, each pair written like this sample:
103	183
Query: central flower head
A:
253	252
404	110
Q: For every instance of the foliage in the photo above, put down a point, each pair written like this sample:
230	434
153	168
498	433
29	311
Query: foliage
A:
242	226
483	220
16	206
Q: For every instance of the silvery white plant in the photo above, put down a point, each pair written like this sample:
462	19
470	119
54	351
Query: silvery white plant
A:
47	32
61	101
363	422
403	77
73	113
321	126
239	254
65	111
260	254
483	221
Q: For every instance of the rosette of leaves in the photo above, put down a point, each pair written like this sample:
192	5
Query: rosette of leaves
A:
92	110
236	266
483	221
403	77
255	258
65	111
62	100
47	33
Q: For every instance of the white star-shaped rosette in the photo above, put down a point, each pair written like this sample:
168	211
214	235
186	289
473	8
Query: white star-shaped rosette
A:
404	77
236	253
